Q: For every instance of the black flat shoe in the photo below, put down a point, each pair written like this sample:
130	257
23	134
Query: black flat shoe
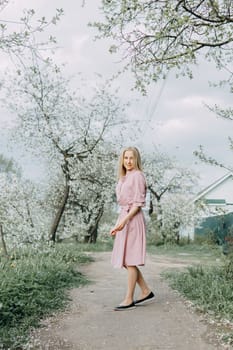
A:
125	307
145	300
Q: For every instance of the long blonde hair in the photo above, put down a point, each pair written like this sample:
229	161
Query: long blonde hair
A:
137	157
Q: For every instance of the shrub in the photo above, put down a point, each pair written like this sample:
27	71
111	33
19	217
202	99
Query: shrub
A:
33	284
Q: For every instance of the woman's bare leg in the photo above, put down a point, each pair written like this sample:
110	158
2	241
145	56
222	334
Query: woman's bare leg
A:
135	276
145	290
132	279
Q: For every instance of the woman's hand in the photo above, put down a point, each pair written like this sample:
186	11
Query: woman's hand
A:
118	227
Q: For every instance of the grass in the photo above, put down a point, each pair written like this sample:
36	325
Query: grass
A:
33	284
210	288
204	253
99	246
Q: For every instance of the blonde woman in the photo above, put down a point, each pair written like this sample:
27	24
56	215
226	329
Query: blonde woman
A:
130	237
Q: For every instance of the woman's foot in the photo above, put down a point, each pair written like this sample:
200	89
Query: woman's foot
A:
125	307
145	300
126	301
144	293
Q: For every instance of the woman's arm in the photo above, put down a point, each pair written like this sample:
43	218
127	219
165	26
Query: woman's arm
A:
119	226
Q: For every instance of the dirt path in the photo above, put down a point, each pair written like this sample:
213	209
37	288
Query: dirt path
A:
91	323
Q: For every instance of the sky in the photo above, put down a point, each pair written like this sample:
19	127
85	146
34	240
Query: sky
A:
173	115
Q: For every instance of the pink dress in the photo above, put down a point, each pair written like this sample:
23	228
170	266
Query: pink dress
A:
130	243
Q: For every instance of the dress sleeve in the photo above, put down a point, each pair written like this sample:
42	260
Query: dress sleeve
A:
139	188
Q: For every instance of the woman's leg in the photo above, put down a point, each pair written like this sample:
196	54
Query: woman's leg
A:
132	279
145	290
135	276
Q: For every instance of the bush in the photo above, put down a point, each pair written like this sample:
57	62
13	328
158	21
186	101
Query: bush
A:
33	284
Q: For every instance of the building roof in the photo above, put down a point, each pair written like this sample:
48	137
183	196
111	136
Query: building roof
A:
212	186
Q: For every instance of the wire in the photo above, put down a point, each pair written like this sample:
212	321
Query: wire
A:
150	114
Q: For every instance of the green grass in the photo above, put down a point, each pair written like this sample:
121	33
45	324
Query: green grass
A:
210	289
207	287
33	284
99	246
203	253
207	281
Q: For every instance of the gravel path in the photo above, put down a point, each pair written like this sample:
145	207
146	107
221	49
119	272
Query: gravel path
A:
91	323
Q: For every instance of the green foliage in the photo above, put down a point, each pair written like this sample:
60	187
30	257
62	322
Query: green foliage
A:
204	253
33	284
155	37
229	266
22	41
99	246
208	238
209	288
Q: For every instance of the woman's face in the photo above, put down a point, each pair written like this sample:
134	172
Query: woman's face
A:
129	160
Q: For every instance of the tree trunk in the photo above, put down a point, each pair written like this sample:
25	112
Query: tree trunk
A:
93	234
53	231
159	214
177	232
29	214
93	231
151	209
3	241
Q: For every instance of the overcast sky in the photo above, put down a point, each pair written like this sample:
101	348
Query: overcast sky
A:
173	115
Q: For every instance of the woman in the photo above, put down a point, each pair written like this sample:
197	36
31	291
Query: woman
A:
130	237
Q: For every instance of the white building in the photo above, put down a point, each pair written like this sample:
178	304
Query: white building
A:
217	218
219	195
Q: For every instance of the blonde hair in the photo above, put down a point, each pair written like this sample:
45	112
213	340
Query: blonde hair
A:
137	157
